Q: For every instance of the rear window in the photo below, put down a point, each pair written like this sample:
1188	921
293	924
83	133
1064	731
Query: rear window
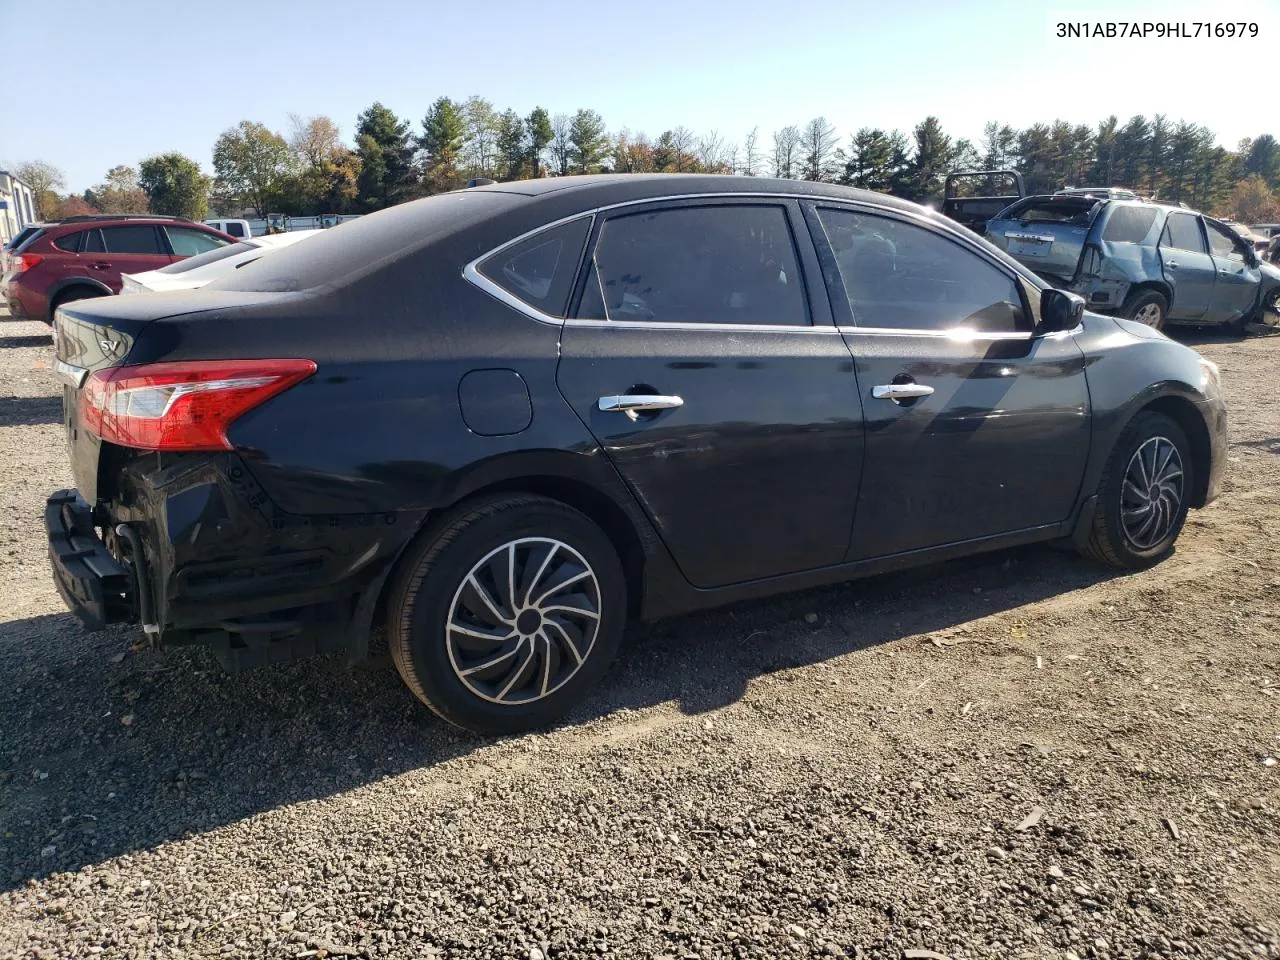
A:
233	229
132	239
212	256
364	245
540	270
1077	211
24	236
1129	224
70	243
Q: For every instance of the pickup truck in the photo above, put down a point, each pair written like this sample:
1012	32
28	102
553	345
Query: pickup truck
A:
973	204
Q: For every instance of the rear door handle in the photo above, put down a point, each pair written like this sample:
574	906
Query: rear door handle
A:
99	266
898	392
639	403
1172	264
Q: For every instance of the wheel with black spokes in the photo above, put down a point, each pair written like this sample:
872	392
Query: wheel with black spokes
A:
1144	493
506	615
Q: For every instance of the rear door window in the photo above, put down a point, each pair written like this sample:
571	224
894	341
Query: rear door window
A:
234	229
93	242
700	264
132	239
70	243
1182	232
540	269
187	242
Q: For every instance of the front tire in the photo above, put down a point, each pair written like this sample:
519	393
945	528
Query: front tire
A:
1143	495
503	619
1148	307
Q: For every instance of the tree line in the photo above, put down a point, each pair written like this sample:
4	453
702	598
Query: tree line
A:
310	169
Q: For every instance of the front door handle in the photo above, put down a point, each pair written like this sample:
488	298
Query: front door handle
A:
897	392
633	403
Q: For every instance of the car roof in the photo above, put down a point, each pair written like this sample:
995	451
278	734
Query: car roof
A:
607	188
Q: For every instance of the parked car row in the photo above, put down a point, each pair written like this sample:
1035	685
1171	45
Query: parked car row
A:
52	264
82	257
503	421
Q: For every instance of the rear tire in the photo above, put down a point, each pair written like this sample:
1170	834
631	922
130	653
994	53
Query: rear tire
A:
1146	306
75	293
1143	495
1270	313
504	618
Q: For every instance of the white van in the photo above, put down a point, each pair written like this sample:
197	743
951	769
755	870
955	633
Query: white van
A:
232	228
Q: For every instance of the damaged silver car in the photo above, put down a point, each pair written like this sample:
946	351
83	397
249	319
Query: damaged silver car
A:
1148	262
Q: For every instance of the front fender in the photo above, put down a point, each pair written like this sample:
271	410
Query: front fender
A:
1130	368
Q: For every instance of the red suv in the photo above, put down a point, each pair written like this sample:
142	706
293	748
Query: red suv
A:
83	257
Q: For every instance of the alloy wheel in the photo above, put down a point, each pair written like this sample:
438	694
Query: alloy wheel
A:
1150	314
523	621
1152	493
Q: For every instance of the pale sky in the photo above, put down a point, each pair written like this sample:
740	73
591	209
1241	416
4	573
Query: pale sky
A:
97	83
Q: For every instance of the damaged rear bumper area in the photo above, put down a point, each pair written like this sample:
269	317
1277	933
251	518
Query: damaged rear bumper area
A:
97	587
194	551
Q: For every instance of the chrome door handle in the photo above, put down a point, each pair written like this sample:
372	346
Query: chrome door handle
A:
901	391
639	403
1172	264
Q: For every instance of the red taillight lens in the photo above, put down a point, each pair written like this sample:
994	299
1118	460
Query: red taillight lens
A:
28	260
184	405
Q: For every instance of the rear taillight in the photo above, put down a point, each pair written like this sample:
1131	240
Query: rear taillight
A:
184	405
28	260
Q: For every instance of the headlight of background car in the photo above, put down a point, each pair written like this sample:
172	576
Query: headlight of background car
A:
1211	377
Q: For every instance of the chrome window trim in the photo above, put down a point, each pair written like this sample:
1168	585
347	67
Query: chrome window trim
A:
674	325
471	273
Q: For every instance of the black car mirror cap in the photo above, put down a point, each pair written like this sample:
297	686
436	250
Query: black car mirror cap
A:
1059	310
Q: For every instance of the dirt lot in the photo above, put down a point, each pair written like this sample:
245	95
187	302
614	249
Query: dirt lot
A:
849	772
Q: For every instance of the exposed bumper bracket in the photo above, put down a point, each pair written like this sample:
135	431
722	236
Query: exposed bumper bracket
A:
94	585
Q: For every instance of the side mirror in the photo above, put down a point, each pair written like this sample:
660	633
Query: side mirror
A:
1059	310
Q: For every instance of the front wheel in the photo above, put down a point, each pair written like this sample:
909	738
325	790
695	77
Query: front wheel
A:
504	619
1144	494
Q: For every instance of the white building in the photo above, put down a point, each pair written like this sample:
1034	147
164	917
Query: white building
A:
17	206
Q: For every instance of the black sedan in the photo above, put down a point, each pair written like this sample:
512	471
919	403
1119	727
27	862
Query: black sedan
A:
502	421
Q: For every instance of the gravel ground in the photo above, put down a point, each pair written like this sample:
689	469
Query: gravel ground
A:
1022	756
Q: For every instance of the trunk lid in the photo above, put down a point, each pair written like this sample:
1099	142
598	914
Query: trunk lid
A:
1046	234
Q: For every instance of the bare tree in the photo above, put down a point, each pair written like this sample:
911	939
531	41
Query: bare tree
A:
43	178
750	158
710	150
313	140
819	143
561	145
480	146
731	158
682	142
786	151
